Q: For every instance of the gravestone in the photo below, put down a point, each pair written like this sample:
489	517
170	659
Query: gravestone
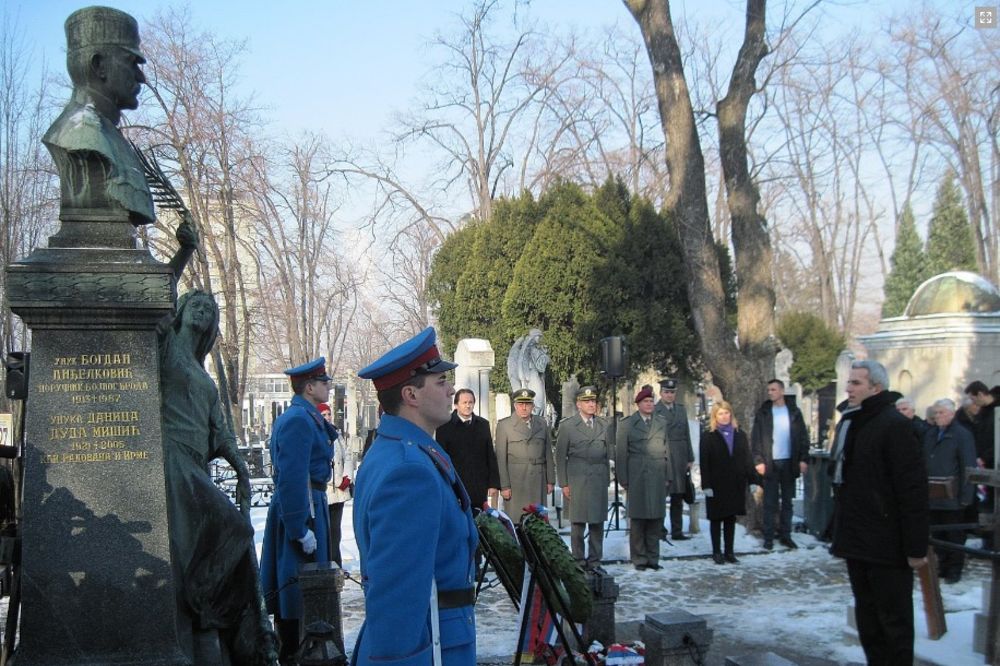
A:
96	572
475	360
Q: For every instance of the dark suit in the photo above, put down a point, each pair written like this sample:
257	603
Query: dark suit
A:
681	457
470	447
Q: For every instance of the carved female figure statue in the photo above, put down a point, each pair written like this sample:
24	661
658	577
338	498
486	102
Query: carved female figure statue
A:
211	540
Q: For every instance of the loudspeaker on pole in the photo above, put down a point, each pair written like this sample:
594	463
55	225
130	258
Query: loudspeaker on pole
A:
614	356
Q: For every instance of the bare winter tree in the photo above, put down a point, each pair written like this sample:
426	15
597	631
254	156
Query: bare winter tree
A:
740	361
205	131
945	72
308	286
29	189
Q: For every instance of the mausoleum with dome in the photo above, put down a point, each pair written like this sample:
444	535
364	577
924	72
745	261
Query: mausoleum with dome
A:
948	336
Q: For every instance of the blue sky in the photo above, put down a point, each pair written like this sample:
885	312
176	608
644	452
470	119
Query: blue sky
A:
345	66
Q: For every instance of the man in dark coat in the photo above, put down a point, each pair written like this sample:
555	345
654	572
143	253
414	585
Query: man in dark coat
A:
906	407
983	432
681	453
948	451
881	518
642	463
583	455
467	439
780	445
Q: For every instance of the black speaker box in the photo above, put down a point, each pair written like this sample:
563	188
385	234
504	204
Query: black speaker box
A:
614	356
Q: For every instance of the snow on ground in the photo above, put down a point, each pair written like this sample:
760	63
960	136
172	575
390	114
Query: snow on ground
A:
793	603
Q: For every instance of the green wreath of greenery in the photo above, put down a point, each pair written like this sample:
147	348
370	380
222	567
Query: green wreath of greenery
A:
574	588
503	544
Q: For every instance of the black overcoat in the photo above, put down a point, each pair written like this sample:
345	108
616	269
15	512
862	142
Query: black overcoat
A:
726	475
880	511
470	447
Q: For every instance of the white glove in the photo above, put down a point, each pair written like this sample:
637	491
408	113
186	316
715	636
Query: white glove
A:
308	543
708	492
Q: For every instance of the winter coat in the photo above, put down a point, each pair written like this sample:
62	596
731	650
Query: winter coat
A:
524	459
727	476
985	426
413	525
343	465
762	436
950	455
642	463
881	508
470	447
300	453
583	457
679	441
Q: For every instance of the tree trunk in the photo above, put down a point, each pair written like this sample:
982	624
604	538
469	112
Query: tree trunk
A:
740	361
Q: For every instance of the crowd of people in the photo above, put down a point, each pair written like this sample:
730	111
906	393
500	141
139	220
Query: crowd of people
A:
433	463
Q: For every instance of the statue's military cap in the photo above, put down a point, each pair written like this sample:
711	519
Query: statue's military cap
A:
668	384
587	393
524	395
417	356
315	369
102	26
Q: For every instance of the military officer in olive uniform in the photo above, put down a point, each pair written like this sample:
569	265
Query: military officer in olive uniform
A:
524	455
583	455
413	521
681	453
643	466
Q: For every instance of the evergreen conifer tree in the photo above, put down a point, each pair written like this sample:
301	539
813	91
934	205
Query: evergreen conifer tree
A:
908	267
950	246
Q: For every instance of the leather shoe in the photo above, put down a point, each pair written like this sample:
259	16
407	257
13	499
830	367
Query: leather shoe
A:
654	567
679	537
729	557
717	558
768	544
787	542
641	567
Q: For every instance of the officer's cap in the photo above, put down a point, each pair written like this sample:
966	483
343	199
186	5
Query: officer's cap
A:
102	26
315	369
646	392
524	395
668	384
587	393
417	356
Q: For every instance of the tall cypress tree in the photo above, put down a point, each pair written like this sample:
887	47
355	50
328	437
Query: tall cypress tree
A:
950	246
908	267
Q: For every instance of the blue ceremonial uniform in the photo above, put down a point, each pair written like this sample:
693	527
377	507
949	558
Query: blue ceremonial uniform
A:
413	524
301	453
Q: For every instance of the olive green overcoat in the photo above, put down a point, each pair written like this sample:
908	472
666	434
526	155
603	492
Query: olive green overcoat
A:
583	457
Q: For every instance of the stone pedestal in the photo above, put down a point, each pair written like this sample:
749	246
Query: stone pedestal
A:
601	625
96	576
321	585
675	638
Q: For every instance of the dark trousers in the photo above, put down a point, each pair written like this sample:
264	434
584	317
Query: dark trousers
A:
728	527
883	608
336	513
779	481
595	543
644	541
950	562
676	513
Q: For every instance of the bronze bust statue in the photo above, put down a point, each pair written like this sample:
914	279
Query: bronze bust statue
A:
100	174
